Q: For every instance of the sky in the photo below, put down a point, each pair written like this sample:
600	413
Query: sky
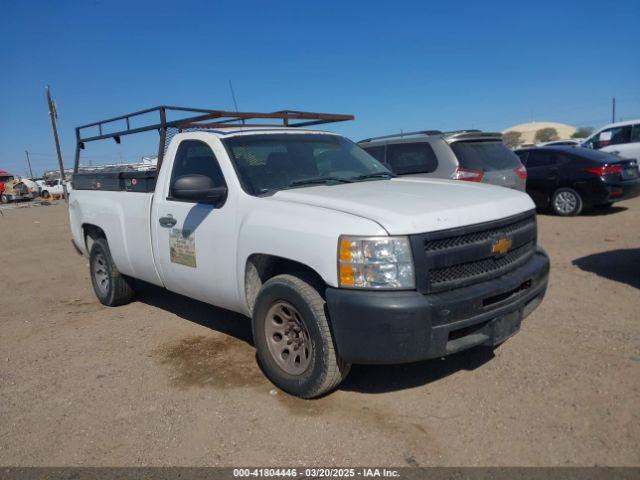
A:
397	66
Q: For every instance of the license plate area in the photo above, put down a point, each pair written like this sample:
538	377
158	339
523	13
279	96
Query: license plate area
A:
506	326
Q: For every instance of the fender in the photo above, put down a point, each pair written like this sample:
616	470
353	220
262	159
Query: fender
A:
301	233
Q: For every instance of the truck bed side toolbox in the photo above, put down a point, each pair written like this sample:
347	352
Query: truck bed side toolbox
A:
134	181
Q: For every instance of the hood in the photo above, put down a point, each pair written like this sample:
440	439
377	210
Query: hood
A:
405	206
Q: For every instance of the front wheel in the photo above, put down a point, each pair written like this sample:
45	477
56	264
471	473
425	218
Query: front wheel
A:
110	286
566	202
45	194
4	199
293	339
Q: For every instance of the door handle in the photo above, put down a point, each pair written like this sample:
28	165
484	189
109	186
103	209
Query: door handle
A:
168	221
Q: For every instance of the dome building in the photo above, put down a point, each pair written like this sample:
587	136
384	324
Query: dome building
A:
528	130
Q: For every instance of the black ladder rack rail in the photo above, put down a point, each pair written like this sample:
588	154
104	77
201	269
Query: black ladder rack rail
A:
216	119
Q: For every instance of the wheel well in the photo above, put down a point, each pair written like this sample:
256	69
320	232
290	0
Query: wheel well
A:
91	234
575	187
261	267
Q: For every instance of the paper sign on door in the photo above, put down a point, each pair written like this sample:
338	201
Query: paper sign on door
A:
182	249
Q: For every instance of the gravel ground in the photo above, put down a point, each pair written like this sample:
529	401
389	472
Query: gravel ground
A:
170	381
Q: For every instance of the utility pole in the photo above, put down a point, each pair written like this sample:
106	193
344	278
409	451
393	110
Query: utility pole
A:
29	163
54	125
613	110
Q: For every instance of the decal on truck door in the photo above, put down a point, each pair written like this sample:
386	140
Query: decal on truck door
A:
182	247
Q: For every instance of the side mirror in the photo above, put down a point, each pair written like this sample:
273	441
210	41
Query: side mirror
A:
198	188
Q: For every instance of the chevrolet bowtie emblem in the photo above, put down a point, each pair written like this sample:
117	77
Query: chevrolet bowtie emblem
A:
502	246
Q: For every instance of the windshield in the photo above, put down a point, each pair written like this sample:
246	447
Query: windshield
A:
485	156
276	161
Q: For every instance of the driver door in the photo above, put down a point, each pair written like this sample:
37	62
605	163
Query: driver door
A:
194	244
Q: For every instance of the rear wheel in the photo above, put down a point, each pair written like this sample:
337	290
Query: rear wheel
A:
45	194
110	286
566	202
4	199
293	339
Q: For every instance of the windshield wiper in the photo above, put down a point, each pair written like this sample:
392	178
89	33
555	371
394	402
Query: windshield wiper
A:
319	180
373	175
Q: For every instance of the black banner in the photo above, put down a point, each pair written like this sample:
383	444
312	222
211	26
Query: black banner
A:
435	473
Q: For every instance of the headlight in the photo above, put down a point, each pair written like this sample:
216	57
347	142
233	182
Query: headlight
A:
375	262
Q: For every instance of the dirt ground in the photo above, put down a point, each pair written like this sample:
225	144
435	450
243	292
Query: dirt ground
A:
170	381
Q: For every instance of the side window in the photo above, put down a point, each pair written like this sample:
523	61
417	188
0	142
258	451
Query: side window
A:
406	158
376	152
620	135
593	141
540	158
612	136
196	158
635	133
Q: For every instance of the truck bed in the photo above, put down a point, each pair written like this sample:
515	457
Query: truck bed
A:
131	181
124	217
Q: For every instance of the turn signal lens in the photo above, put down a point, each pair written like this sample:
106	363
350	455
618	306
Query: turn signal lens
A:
347	277
345	251
375	262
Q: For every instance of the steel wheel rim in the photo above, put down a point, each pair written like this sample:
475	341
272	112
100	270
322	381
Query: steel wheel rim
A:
101	273
566	202
288	338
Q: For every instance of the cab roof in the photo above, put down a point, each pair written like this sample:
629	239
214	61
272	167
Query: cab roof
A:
226	132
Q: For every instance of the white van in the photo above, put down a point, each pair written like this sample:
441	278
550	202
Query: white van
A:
622	138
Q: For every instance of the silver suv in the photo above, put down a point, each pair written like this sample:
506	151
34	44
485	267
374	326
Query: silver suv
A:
469	155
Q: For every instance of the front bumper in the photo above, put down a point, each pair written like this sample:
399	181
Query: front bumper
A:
377	327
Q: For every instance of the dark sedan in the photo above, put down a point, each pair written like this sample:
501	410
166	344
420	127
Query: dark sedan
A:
570	178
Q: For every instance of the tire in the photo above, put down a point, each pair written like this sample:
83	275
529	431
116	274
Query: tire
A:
4	199
110	286
319	370
45	194
566	202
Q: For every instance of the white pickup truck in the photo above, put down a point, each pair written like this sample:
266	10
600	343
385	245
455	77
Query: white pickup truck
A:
54	188
335	261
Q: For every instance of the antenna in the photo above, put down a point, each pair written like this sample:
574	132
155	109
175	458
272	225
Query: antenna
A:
233	96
